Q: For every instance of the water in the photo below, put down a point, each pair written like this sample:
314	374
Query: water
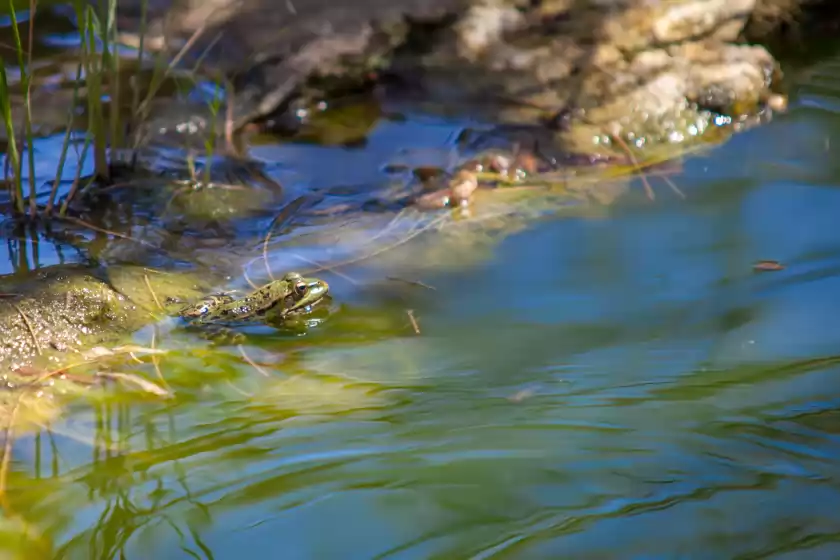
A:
622	385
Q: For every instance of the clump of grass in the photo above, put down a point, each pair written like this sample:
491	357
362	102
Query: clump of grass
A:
98	74
97	68
15	162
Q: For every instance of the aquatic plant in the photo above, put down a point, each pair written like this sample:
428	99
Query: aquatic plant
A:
95	67
97	85
15	162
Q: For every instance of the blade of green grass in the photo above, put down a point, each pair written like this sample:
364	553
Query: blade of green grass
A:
210	142
135	93
93	78
30	152
65	146
110	51
12	155
24	81
75	187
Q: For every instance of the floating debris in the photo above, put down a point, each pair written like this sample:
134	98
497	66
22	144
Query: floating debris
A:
137	381
768	266
414	324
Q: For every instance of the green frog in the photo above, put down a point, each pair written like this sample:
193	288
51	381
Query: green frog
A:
291	296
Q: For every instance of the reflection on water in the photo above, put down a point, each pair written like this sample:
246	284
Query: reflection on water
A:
618	387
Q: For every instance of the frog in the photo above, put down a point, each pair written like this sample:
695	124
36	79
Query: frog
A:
281	300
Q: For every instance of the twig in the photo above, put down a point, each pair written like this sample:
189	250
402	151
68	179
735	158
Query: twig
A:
84	224
59	371
175	194
156	365
325	267
29	328
238	390
620	141
388	227
412	282
434	223
284	214
251	362
415	326
136	380
248	278
151	291
673	186
120	185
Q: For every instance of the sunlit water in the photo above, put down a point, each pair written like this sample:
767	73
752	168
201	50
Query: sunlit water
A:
598	387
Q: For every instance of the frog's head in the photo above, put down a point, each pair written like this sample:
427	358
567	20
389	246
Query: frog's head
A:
302	293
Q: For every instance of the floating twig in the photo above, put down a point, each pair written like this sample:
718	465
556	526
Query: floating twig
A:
87	225
620	141
434	223
325	268
673	186
136	380
768	266
29	328
412	282
251	362
151	291
240	391
156	365
287	211
248	278
520	396
414	325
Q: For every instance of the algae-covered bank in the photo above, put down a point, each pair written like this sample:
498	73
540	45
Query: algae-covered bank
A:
450	278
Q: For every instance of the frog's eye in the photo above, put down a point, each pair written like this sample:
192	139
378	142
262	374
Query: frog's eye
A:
300	288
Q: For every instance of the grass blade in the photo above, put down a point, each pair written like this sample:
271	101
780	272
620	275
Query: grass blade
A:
12	155
30	152
65	146
24	81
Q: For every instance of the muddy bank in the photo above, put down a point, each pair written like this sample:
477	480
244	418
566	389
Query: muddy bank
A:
48	316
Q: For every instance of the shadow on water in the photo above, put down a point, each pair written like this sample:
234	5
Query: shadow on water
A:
601	385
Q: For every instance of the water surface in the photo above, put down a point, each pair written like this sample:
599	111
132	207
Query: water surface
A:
596	386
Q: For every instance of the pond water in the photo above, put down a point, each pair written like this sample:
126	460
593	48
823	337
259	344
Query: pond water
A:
613	384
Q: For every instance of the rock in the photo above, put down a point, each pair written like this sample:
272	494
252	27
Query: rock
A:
648	70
